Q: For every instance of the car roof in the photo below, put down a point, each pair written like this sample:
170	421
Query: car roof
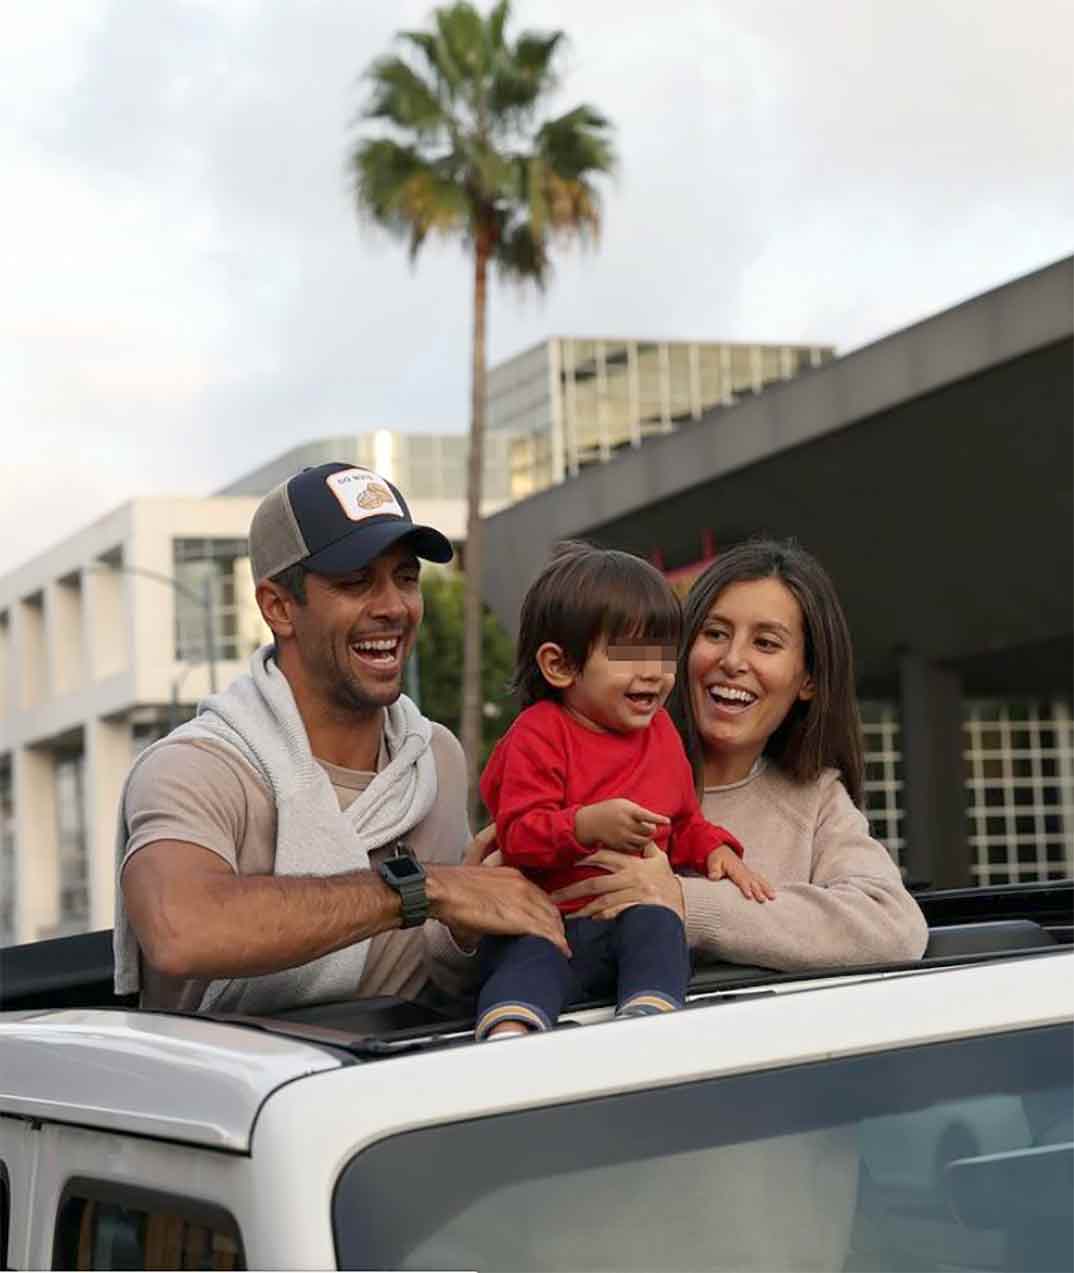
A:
205	1082
715	1037
147	1074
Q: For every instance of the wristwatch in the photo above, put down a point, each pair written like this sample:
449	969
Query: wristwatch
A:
404	873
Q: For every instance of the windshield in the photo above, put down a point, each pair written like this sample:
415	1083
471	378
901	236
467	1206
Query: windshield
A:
946	1157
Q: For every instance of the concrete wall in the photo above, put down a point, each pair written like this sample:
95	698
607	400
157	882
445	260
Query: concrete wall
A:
87	646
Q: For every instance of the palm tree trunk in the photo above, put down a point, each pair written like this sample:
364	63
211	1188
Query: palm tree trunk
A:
471	614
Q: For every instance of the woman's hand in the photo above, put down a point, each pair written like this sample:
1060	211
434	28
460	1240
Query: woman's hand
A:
724	863
480	847
630	881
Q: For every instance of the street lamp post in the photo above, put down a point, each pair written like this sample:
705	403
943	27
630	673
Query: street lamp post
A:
173	704
204	600
210	636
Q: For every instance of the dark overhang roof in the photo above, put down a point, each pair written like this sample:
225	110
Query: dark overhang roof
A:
931	472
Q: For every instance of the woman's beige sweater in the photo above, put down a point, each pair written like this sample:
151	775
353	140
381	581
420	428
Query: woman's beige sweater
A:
839	896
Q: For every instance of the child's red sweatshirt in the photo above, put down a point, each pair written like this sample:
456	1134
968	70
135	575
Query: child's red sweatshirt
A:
548	765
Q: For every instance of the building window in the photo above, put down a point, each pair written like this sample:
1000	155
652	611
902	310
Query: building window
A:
1020	778
150	729
1019	787
883	774
7	855
222	566
123	1228
605	396
71	841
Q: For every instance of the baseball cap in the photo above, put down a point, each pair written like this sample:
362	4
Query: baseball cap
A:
335	518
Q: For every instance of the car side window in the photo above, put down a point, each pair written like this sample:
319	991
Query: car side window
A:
954	1155
102	1226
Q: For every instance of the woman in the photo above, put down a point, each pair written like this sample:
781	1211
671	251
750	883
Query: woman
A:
764	700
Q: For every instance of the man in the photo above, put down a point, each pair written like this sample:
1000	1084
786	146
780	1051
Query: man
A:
300	839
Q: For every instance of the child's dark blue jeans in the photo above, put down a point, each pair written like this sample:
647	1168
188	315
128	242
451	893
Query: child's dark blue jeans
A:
641	955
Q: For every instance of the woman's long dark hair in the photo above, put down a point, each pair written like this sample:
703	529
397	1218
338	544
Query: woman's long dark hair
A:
824	731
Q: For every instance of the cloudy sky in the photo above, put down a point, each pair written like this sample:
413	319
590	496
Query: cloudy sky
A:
186	292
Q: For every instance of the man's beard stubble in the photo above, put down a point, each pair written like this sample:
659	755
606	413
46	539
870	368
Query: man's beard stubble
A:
346	692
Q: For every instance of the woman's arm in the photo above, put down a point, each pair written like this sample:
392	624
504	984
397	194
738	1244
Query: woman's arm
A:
852	910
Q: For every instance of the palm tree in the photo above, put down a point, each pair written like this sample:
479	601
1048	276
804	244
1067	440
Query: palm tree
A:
461	153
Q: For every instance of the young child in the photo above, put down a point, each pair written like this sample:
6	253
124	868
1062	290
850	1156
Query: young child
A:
594	762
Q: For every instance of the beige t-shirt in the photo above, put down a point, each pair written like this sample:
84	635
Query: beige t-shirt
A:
206	794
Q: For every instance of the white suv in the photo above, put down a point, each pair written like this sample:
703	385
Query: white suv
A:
912	1118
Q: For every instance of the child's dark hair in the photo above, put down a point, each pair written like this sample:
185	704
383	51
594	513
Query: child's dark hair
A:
585	595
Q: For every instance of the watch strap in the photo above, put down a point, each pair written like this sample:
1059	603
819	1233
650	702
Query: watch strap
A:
414	902
413	899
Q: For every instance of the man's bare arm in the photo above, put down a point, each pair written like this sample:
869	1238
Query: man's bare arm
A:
195	918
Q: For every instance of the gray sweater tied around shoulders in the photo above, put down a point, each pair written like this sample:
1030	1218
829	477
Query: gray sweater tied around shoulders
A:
257	717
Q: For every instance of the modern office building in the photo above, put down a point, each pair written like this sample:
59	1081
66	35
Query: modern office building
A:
569	403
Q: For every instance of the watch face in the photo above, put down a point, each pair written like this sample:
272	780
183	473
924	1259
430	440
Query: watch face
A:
404	868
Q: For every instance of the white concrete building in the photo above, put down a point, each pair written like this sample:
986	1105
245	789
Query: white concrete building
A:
102	639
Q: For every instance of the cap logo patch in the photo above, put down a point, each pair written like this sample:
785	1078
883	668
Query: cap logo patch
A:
362	494
374	495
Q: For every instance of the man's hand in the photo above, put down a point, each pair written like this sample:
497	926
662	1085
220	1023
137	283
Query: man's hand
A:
617	824
481	851
481	900
724	863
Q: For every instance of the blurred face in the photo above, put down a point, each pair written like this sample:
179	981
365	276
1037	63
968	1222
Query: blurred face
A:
622	686
746	669
355	631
